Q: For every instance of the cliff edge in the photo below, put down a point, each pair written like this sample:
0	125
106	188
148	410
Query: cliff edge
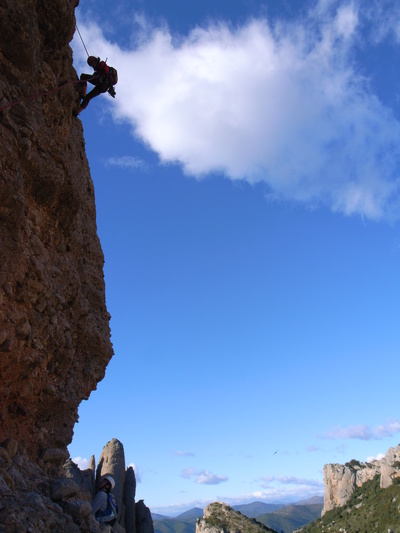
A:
342	480
54	325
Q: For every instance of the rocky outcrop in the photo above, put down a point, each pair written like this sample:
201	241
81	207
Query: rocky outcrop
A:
133	517
341	480
112	461
54	325
219	517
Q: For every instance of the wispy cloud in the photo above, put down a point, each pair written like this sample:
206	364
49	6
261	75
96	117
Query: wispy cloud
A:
181	453
126	161
138	476
203	477
280	104
363	432
290	480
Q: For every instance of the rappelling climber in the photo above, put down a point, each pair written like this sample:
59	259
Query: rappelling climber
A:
104	78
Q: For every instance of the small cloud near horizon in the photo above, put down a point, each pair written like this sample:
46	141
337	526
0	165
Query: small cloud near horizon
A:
203	477
371	458
364	432
82	462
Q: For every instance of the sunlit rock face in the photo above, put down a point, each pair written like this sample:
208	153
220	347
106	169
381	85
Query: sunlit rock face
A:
54	325
341	480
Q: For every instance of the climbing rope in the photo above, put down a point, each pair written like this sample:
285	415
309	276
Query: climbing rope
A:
79	33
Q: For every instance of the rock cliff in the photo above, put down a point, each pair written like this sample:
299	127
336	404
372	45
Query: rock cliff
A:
54	325
219	517
341	480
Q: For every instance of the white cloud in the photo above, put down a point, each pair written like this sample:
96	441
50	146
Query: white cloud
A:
377	458
203	477
363	432
284	106
138	477
82	462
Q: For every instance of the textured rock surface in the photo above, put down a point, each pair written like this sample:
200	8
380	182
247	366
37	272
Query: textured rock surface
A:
341	480
144	521
129	500
219	517
54	325
112	461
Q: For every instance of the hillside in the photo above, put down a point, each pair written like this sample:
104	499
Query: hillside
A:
219	516
291	517
183	523
280	517
254	509
369	509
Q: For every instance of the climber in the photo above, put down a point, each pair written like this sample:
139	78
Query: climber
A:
104	505
104	78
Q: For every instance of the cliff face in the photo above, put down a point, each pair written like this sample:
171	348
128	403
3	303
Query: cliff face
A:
54	326
341	480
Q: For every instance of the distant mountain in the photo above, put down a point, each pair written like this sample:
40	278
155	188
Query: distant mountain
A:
195	513
279	517
171	525
291	517
311	501
183	523
254	509
156	516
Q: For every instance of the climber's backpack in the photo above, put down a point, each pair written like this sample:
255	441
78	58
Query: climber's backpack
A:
110	512
113	75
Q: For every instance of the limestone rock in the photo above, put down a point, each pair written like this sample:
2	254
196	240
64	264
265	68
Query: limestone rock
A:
144	521
129	500
83	478
341	480
112	461
219	516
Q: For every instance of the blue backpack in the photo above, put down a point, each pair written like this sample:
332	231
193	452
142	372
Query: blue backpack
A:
110	512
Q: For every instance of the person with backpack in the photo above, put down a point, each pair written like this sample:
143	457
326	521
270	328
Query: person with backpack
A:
103	78
104	505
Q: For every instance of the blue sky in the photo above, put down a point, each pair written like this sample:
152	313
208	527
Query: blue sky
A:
247	191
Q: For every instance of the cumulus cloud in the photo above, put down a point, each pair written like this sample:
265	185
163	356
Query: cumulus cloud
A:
82	462
203	477
363	432
377	458
283	105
